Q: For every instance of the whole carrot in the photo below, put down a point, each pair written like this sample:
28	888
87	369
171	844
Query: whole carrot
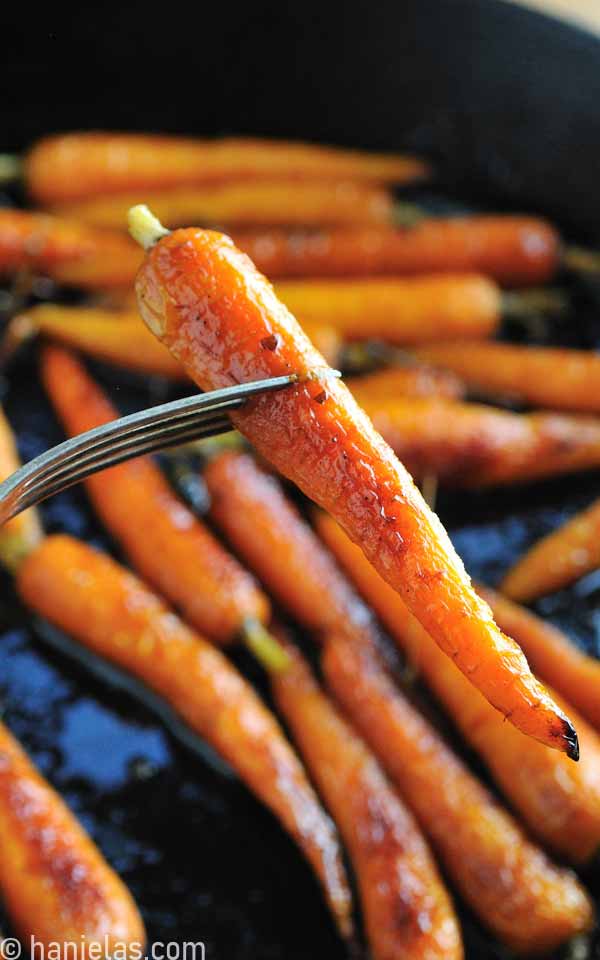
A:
165	542
410	380
544	376
407	311
91	597
272	202
79	165
557	559
54	881
407	912
514	250
531	905
67	251
20	535
552	655
474	445
559	801
221	319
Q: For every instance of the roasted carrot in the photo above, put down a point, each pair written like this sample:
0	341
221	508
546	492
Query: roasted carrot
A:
221	319
410	380
20	535
55	883
559	801
474	445
407	911
528	903
407	311
68	252
514	250
277	202
557	559
79	165
175	552
552	655
110	611
544	376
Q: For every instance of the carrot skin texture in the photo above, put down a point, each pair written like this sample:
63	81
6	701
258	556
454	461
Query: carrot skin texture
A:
515	251
407	311
406	381
560	379
558	800
474	445
68	252
569	670
273	202
111	612
176	553
221	319
79	165
407	912
23	532
558	559
531	905
54	881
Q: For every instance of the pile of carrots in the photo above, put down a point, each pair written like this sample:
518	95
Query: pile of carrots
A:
374	794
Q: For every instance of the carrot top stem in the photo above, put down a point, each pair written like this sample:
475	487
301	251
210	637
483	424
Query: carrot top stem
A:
407	214
523	304
265	647
144	227
581	260
11	167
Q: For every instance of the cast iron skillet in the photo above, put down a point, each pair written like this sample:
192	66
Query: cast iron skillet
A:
505	101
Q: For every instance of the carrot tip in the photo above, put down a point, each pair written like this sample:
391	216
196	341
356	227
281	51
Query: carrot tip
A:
144	227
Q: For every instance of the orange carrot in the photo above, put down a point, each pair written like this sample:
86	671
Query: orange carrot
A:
67	251
278	202
474	445
221	319
558	559
79	165
407	311
528	903
55	883
110	611
570	671
20	535
544	376
165	542
514	250
412	380
559	801
406	909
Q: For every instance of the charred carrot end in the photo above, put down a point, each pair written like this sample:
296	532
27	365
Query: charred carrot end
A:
20	535
112	613
80	165
558	559
411	380
545	376
406	909
406	311
206	301
55	883
527	902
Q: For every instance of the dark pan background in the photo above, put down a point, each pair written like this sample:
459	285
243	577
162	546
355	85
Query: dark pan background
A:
506	102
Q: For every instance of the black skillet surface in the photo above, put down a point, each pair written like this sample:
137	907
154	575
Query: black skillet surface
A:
506	102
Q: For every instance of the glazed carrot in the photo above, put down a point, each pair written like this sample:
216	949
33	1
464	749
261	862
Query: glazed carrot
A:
514	250
410	380
406	910
528	903
79	165
163	539
474	445
55	883
277	202
221	319
544	376
413	310
558	800
20	535
68	252
552	655
557	559
110	611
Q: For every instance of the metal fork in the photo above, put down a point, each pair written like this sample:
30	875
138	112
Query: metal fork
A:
156	428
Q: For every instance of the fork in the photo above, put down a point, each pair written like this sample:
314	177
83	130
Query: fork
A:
157	428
